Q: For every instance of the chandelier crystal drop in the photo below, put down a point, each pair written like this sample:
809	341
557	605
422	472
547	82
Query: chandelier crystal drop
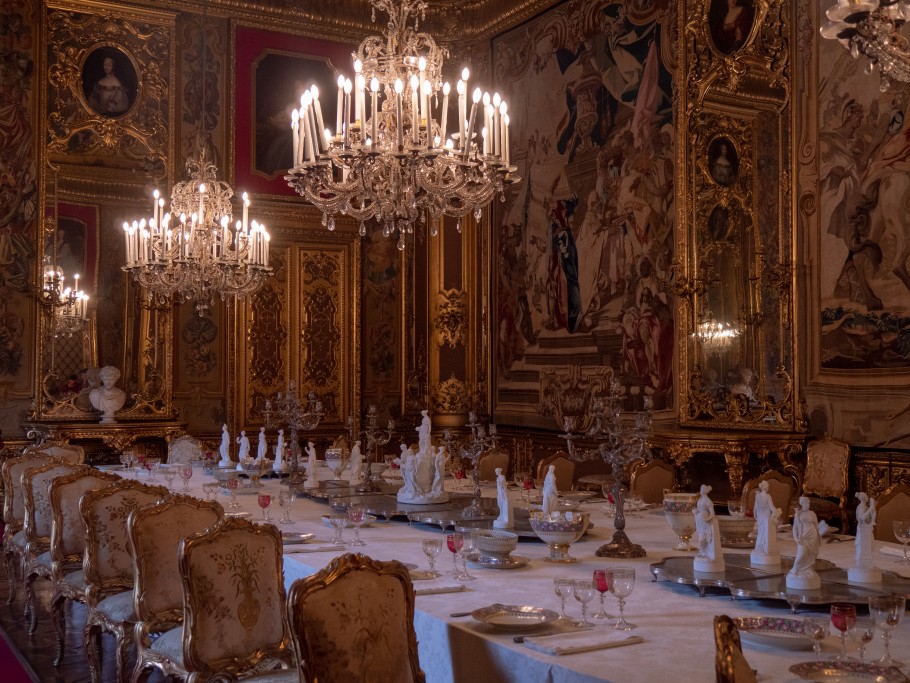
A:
392	157
873	28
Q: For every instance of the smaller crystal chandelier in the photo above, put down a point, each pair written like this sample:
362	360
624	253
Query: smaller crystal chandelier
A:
390	159
66	306
873	28
716	337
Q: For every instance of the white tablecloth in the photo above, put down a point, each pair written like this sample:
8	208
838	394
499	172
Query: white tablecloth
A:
676	624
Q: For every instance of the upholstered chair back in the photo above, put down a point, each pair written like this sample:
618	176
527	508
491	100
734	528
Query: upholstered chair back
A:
107	562
729	663
14	495
234	597
565	470
488	463
781	488
71	453
183	450
893	504
651	479
353	611
36	487
154	533
68	528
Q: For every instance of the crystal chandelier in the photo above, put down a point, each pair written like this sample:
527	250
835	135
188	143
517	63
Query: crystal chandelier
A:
66	306
716	337
390	158
873	28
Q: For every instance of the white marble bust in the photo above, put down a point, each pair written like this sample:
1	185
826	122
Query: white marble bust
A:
108	398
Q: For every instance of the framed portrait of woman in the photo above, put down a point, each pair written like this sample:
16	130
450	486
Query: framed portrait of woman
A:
109	81
731	23
723	161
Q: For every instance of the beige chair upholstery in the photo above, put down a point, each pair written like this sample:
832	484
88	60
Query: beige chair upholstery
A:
183	450
108	567
38	523
650	479
68	543
356	610
827	470
781	488
154	532
71	453
729	663
235	619
565	470
489	461
891	505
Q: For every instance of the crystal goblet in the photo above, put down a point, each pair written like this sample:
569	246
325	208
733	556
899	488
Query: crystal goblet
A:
843	616
169	475
563	588
817	630
602	584
339	521
901	529
285	501
468	543
583	590
232	485
356	516
622	581
186	472
886	612
454	542
432	548
862	632
211	489
264	500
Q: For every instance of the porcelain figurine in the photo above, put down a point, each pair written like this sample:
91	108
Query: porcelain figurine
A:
805	533
423	433
440	475
550	494
225	449
279	465
312	481
262	448
420	471
108	398
244	451
505	519
766	551
355	464
709	557
864	570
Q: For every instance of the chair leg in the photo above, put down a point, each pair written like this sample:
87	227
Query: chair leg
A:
12	575
31	609
58	617
124	643
91	641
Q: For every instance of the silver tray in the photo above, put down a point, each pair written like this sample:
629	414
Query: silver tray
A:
514	617
512	562
848	672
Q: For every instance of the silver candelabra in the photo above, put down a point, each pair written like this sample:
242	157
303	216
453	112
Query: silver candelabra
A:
482	439
375	438
619	446
296	415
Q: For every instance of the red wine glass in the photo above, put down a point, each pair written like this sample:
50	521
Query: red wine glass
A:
602	584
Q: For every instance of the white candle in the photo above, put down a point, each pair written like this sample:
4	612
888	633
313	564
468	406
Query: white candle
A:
360	103
505	136
425	101
320	124
374	89
487	120
347	113
340	109
422	67
467	142
445	110
461	88
497	151
295	124
415	83
399	87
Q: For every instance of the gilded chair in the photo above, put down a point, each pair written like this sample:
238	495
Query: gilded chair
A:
730	664
891	505
14	514
651	479
183	450
489	461
68	543
71	453
235	615
565	470
154	532
356	610
108	567
827	469
781	488
38	523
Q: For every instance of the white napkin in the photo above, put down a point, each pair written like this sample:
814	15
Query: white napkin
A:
432	590
890	550
581	641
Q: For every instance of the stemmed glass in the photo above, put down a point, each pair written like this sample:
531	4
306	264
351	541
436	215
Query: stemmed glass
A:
265	500
334	460
356	515
602	584
621	581
431	548
817	629
862	632
169	474
468	543
886	612
902	534
563	588
125	458
232	485
286	500
151	464
583	590
843	616
186	472
211	489
458	473
339	522
454	542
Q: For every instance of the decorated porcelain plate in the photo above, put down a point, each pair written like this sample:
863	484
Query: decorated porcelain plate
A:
848	672
514	617
367	521
514	562
238	513
786	634
289	537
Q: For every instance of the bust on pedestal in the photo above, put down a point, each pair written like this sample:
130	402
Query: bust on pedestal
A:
766	552
108	398
709	557
864	571
805	533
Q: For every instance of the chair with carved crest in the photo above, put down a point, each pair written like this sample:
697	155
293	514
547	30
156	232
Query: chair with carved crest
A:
71	453
827	470
781	488
564	470
154	532
893	504
354	610
235	615
38	523
68	543
14	514
108	568
730	665
651	479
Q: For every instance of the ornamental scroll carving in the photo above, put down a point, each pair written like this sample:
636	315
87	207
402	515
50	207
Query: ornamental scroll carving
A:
451	322
320	336
451	396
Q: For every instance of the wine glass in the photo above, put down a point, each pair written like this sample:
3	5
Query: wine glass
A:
152	465
817	630
862	632
583	590
334	460
232	485
902	534
356	516
606	490
186	472
338	521
458	473
169	474
468	543
453	543
563	588
211	489
265	500
285	501
886	612
602	584
843	616
622	581
735	508
431	548
125	460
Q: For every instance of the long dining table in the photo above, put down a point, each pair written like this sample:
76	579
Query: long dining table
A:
674	621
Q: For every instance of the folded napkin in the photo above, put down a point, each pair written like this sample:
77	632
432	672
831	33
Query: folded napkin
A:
891	550
432	590
582	641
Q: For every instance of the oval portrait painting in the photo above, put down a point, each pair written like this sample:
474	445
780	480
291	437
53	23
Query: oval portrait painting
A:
109	81
723	161
731	23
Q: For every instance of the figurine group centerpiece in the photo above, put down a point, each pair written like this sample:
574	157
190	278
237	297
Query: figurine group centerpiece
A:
423	472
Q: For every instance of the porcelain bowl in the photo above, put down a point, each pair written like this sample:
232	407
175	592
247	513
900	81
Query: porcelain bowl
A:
495	543
222	475
678	509
735	529
559	530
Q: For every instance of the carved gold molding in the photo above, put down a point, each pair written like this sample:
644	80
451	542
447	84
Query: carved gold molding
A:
451	396
451	320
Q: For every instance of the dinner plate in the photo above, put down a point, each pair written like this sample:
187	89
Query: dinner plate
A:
237	513
367	521
289	537
786	634
514	617
514	562
847	672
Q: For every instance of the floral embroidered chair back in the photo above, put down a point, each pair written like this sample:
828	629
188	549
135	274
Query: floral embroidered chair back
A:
68	528
891	505
183	450
827	470
356	610
71	453
729	663
108	563
236	615
14	494
38	516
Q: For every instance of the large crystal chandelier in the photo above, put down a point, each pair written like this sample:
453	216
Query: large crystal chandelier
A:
390	158
873	28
